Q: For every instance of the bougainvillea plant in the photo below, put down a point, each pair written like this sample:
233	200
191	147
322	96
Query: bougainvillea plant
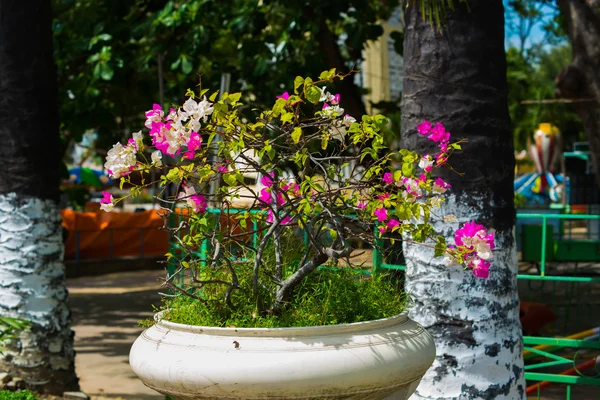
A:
317	170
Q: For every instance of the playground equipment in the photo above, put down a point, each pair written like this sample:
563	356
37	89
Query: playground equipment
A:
544	184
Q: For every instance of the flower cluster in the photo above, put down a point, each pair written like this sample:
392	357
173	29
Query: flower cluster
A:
106	204
477	245
436	133
380	197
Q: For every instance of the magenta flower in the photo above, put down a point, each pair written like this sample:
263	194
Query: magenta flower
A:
198	203
284	95
424	127
362	205
107	198
193	144
439	186
336	99
383	197
381	214
439	133
265	196
392	223
382	229
280	199
388	178
267	180
325	105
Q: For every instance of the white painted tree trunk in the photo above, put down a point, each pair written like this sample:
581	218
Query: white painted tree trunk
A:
32	287
474	322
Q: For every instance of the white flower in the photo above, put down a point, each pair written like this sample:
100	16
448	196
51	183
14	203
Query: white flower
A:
325	95
175	141
332	111
107	207
205	108
156	158
138	138
348	120
426	162
120	160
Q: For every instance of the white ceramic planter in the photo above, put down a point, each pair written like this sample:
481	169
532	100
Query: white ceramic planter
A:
382	359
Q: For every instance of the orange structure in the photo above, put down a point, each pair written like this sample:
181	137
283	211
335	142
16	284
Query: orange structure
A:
97	235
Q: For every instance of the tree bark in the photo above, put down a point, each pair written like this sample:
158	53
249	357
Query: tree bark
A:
458	77
32	274
581	79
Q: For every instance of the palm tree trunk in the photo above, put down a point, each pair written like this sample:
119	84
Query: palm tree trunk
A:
32	274
458	77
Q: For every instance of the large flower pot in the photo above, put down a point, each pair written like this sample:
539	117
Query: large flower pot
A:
371	360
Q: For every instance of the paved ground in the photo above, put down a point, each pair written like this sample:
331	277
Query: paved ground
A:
106	310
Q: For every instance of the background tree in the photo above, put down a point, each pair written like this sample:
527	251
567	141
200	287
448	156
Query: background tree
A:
115	58
580	80
458	77
31	247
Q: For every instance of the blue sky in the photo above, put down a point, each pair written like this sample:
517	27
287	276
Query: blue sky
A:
537	33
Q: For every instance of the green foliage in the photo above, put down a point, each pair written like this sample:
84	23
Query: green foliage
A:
326	297
9	327
20	395
109	53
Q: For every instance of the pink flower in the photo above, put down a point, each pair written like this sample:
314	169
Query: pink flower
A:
439	186
426	163
392	223
154	115
284	95
383	196
481	268
381	214
265	196
198	203
382	229
325	105
107	198
193	144
439	133
106	204
336	99
280	199
424	127
443	147
267	180
222	168
362	205
388	178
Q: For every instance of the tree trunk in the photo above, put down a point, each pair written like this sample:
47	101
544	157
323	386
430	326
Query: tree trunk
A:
581	79
458	77
32	274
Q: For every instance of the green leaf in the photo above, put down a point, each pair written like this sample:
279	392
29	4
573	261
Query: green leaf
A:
327	75
296	134
213	96
408	169
230	178
234	97
333	233
297	83
313	94
324	142
186	65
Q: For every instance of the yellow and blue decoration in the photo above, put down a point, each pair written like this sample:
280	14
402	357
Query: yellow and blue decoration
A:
544	184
